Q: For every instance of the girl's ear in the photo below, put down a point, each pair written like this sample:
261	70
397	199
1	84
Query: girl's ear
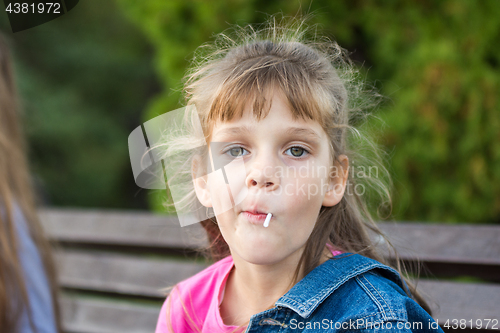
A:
338	182
200	182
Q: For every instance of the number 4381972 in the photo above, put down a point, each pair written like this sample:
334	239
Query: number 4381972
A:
477	324
40	8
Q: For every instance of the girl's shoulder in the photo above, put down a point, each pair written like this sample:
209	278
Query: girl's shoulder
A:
190	300
206	280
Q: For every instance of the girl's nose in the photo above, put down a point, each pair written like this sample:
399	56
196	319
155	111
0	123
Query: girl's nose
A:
263	176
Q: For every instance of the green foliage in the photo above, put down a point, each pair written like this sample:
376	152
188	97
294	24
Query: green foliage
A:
444	123
437	61
83	79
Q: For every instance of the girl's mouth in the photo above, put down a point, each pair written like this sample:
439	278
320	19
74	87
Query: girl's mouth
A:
257	218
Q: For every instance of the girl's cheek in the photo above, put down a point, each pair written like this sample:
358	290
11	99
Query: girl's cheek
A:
225	195
303	191
236	175
219	193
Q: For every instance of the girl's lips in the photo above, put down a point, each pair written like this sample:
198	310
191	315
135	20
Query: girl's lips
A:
254	218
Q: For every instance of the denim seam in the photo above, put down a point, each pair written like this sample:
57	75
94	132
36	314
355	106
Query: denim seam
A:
372	296
288	311
382	297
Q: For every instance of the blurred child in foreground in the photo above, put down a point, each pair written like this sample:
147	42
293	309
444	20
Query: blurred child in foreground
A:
28	288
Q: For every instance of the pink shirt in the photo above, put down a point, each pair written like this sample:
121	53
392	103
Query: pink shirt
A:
193	304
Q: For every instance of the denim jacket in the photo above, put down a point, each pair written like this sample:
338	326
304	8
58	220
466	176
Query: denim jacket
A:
350	293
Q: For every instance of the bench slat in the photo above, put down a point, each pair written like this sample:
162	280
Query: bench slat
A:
83	315
120	228
123	274
445	243
476	244
458	300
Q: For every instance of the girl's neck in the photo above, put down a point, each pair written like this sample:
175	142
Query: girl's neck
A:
251	288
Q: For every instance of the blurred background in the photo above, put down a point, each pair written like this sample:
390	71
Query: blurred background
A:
88	78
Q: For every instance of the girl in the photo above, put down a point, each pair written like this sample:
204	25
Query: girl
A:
294	251
28	288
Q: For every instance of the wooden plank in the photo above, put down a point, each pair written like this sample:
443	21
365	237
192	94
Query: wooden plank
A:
475	244
458	300
84	315
435	243
128	228
123	274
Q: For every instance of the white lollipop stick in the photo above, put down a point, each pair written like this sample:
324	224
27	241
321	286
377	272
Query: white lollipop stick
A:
268	218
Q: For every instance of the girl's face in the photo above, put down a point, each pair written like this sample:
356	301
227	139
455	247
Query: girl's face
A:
287	173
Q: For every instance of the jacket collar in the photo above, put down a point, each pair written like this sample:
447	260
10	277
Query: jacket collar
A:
326	278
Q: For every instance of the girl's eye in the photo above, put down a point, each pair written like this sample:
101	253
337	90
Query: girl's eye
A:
297	151
236	151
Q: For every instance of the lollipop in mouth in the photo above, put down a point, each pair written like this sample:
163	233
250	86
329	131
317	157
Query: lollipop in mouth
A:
268	219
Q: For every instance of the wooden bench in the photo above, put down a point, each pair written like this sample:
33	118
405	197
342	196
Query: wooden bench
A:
114	266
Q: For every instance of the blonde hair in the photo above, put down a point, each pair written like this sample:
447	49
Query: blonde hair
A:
15	187
319	82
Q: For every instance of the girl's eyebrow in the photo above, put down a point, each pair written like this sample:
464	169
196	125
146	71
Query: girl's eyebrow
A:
291	131
303	132
234	130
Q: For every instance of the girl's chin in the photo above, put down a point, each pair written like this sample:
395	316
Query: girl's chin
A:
256	238
260	259
260	254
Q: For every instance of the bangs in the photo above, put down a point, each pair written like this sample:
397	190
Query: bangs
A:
255	81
